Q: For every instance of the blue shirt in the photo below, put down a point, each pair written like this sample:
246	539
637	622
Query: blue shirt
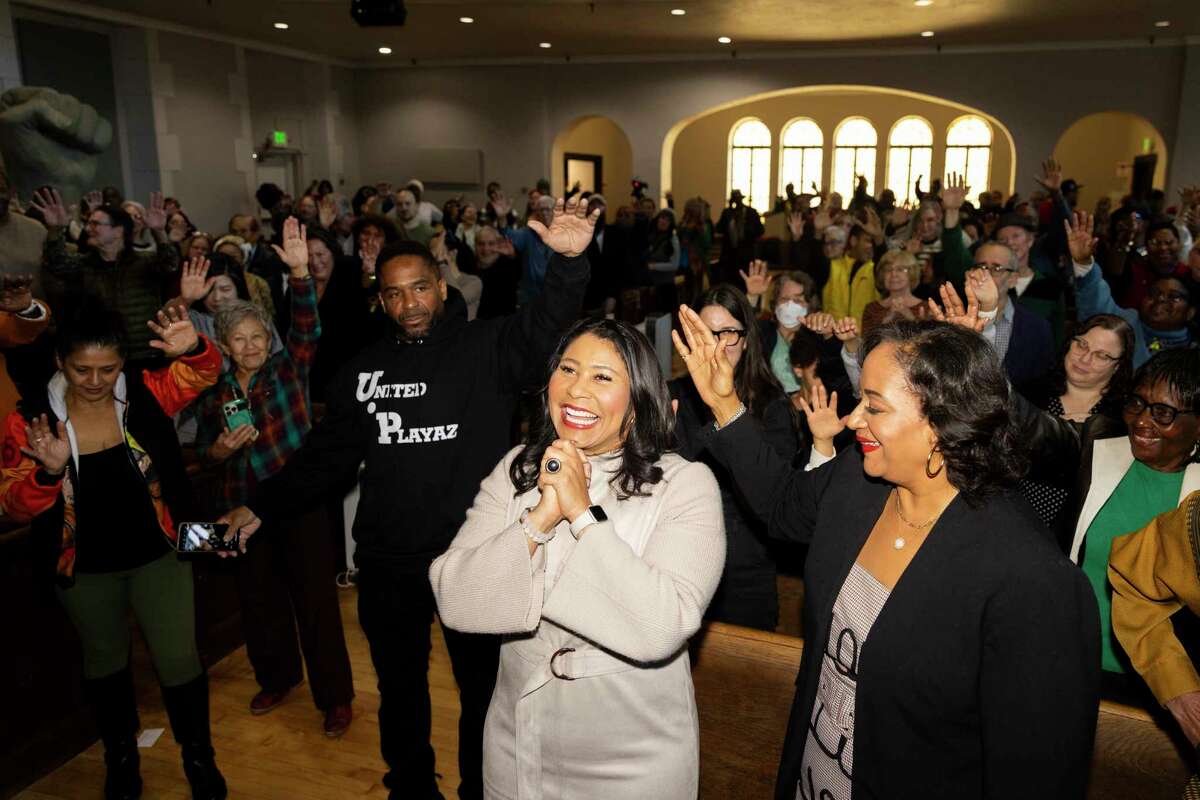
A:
535	258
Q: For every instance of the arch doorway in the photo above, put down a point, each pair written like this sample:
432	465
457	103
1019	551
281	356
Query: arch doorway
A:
1107	153
596	152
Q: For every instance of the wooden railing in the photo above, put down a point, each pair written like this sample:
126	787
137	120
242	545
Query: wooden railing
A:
745	681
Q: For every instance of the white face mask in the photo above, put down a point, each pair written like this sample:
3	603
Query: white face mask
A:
790	313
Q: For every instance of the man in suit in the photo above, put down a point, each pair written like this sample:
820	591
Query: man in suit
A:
1022	339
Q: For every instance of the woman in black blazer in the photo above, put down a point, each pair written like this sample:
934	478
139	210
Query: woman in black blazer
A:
953	649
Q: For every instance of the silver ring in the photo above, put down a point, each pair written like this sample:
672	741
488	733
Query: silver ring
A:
553	465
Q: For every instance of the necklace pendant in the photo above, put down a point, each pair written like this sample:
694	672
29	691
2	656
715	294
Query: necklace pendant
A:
899	543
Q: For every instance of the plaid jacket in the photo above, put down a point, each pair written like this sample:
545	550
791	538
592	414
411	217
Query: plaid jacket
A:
278	395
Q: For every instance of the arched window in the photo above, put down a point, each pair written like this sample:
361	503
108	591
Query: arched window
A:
910	156
750	163
800	156
969	151
853	155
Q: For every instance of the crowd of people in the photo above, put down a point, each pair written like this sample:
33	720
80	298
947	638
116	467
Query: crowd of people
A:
976	422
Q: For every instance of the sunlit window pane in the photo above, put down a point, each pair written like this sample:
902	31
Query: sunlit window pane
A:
969	131
751	133
750	163
801	156
969	151
802	133
855	132
850	162
910	156
911	131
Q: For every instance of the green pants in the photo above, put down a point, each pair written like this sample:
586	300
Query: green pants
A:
161	596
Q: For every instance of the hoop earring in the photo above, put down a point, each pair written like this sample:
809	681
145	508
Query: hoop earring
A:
929	460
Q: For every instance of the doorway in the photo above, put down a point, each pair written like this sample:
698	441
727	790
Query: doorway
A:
583	171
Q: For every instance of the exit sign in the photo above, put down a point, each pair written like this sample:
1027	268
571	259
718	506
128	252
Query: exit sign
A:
279	138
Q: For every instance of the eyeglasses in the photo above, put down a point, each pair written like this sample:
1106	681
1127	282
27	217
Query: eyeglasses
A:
1155	294
729	336
98	223
1080	344
1161	413
995	269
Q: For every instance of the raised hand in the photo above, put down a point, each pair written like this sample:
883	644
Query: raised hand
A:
873	226
93	199
49	446
16	293
705	359
980	283
49	204
294	252
570	230
758	281
156	214
501	205
1051	177
954	312
796	223
845	329
175	332
194	283
369	253
505	247
327	211
820	322
230	441
1080	240
823	421
954	193
821	220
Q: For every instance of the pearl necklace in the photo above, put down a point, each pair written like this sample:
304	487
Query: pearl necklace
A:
900	541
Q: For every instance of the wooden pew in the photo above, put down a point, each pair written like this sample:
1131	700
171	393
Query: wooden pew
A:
745	681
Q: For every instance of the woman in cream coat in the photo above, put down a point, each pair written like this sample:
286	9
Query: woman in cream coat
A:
595	552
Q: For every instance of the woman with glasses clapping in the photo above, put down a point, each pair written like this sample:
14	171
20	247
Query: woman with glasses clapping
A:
1086	387
747	594
1120	483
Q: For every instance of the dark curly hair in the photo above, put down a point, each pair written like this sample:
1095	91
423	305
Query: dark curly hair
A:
648	425
1179	369
963	392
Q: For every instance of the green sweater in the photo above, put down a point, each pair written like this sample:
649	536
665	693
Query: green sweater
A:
133	285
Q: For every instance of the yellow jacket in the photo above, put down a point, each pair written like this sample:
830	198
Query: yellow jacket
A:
845	298
1154	572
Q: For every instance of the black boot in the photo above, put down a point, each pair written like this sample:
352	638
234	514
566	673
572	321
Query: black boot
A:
187	708
115	709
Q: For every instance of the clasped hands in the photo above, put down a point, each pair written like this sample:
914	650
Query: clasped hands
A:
564	493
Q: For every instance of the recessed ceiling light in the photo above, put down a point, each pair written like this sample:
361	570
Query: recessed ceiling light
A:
283	26
544	45
385	51
466	20
724	40
678	12
922	3
927	34
1163	23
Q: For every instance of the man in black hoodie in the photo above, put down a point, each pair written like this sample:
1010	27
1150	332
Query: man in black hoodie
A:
428	410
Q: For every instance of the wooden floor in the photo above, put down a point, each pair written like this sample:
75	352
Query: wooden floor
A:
282	755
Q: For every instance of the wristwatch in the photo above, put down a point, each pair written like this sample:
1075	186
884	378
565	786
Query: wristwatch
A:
537	537
593	515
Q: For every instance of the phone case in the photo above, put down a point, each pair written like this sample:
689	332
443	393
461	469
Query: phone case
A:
237	413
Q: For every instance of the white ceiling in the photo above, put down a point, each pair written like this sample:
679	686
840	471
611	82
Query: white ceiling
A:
605	28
